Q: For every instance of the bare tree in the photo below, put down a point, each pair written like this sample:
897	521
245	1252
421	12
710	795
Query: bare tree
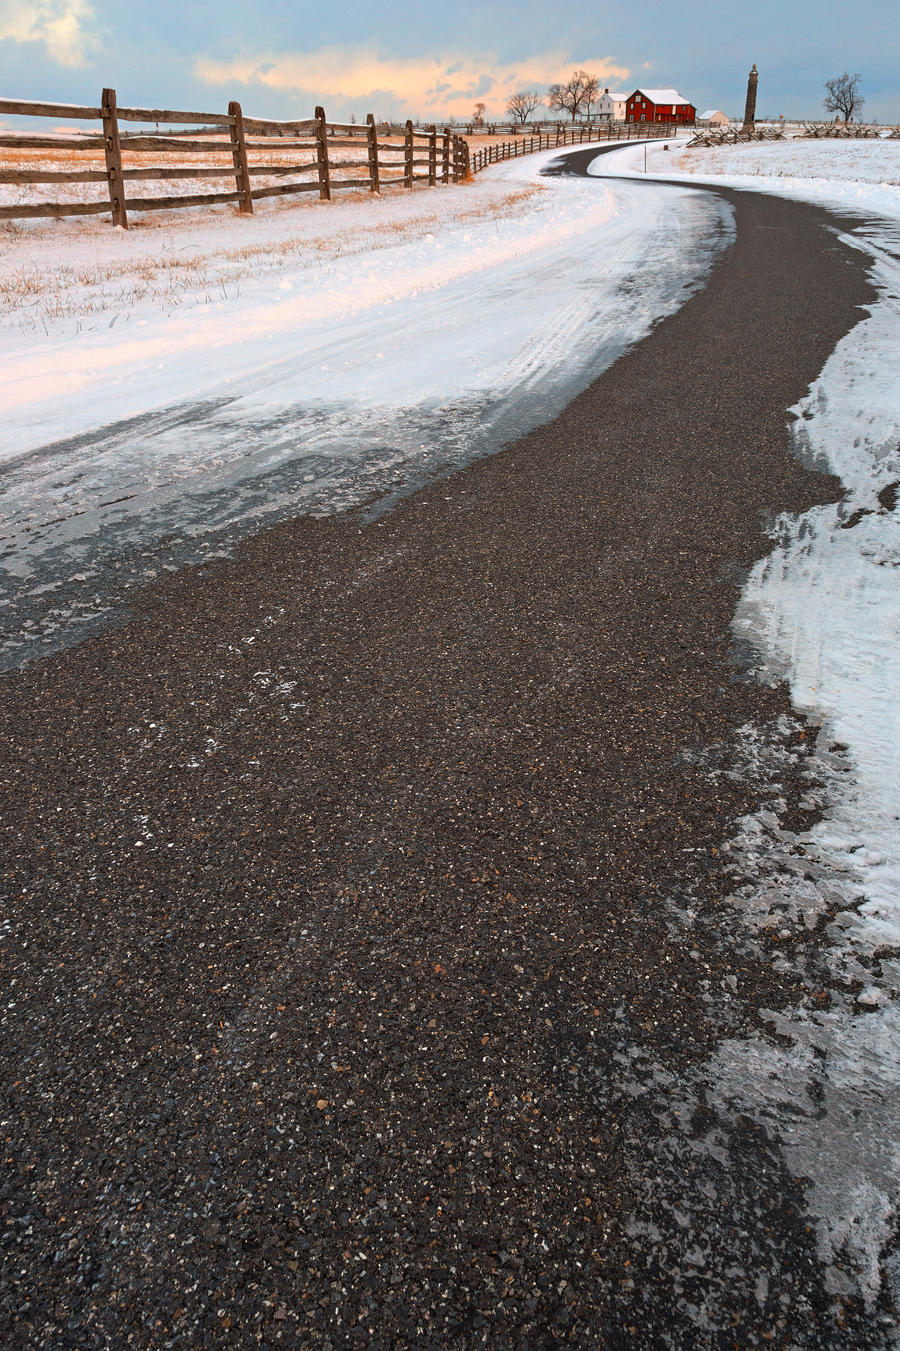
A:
843	95
480	110
577	94
522	104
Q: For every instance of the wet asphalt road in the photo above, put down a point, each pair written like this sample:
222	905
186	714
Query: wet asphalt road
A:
348	996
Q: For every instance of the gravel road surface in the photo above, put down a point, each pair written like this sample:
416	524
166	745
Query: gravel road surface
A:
349	985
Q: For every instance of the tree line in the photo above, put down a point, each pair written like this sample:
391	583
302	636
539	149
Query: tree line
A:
580	92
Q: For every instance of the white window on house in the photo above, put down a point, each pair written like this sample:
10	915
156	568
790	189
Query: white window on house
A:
643	117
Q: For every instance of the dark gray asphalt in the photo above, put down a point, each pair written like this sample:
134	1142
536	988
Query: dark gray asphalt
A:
337	887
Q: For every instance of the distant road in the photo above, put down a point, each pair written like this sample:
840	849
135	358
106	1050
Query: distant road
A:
347	893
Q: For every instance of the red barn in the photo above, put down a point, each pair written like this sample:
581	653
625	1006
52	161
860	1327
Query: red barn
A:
659	105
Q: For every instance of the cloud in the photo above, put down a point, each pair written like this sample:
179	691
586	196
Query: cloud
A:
63	26
430	86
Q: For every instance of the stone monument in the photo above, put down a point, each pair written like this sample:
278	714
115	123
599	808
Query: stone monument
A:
750	105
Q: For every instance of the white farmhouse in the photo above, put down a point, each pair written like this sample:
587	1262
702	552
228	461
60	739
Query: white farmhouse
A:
713	117
611	107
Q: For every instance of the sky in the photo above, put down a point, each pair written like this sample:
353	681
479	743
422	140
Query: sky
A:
283	57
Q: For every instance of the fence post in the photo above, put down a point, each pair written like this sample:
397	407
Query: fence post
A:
445	156
432	156
322	156
239	156
113	150
372	142
408	155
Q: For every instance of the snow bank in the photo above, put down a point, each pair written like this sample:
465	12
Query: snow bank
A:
823	612
327	356
196	311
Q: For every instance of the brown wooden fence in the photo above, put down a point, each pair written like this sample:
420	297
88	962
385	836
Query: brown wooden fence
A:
563	135
313	155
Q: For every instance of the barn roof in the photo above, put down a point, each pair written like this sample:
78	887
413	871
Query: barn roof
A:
663	96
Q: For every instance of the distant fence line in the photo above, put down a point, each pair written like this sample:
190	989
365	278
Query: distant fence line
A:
422	156
425	156
563	135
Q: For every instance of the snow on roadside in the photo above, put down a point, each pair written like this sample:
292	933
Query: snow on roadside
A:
350	352
122	341
823	612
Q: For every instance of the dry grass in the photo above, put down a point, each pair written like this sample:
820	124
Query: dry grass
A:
172	278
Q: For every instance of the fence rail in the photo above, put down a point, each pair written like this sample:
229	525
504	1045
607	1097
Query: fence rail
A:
856	131
710	137
320	154
309	155
563	135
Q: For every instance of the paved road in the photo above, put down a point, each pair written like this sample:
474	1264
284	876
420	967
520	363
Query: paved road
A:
356	1001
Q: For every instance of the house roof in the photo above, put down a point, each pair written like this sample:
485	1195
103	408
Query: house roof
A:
710	112
663	96
616	98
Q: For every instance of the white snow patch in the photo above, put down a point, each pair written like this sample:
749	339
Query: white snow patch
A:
831	1097
336	355
369	304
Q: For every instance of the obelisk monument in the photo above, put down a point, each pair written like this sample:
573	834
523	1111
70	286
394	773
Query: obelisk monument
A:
750	105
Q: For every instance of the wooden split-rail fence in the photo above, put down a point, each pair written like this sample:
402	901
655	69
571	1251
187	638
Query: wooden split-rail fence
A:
711	137
320	157
563	135
856	131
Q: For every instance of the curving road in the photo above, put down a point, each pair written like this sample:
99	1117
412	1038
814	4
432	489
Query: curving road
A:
366	904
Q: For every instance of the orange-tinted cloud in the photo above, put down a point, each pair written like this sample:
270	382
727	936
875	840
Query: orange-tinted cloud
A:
432	87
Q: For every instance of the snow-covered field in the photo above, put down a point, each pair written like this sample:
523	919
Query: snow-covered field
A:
842	173
823	612
195	377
